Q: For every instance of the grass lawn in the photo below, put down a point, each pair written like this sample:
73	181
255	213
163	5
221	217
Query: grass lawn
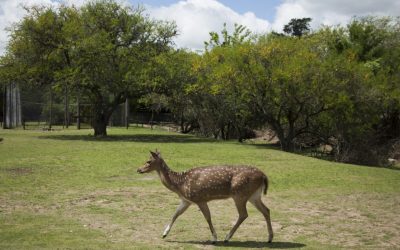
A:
67	190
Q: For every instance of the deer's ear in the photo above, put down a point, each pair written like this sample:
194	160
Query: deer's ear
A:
155	155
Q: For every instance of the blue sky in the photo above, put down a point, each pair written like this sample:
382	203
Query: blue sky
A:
261	8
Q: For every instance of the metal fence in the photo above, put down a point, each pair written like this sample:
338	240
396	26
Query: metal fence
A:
42	108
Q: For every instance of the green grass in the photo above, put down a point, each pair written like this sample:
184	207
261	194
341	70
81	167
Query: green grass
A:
64	189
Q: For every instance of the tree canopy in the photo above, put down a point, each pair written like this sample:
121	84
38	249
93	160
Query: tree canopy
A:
298	26
100	50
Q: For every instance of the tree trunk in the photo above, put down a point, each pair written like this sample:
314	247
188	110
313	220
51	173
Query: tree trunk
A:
285	141
287	144
100	124
151	119
182	123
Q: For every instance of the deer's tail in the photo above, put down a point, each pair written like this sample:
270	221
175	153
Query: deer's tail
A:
265	184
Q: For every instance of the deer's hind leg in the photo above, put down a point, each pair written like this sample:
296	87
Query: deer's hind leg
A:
255	199
241	207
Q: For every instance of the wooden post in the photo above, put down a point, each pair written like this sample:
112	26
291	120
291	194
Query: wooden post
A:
78	109
4	106
66	109
8	111
18	107
126	113
91	115
51	108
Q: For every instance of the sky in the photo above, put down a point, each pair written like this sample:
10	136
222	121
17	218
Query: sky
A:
196	18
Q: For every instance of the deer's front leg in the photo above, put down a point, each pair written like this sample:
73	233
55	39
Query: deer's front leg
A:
180	210
206	212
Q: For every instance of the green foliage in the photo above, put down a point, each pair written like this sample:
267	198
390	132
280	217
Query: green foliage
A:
240	35
326	88
367	115
298	26
100	49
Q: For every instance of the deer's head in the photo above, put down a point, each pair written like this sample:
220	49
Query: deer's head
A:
152	164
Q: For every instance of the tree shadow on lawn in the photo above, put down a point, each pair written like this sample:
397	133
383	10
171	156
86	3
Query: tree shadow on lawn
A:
132	138
276	146
247	244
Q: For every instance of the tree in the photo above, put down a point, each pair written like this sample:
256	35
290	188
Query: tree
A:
298	27
179	77
240	34
280	82
288	83
376	42
100	50
217	101
366	120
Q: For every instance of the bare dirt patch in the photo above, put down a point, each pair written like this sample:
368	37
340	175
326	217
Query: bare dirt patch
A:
355	220
139	214
19	171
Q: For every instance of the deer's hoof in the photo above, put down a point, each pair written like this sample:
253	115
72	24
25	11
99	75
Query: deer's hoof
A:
226	241
213	242
164	236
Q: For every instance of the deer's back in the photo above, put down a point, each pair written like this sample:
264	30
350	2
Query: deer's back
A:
219	182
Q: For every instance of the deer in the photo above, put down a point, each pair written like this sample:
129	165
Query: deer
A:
200	185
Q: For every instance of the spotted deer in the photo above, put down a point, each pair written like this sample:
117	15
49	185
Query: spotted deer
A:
203	184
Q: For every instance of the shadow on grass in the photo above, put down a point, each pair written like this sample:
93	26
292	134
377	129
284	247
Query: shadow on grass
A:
324	157
132	138
247	244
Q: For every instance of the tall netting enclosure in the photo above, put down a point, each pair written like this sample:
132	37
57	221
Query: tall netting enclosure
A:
44	107
48	108
11	103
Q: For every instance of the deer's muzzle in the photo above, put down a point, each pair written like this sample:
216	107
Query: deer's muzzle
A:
143	169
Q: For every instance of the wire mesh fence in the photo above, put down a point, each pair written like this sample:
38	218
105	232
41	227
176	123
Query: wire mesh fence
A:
44	109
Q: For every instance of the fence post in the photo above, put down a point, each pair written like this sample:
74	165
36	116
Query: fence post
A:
126	113
66	110
51	108
78	118
4	106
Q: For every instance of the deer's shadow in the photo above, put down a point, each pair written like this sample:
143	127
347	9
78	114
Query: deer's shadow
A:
247	244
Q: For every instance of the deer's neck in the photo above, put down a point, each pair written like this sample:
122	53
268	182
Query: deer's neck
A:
172	180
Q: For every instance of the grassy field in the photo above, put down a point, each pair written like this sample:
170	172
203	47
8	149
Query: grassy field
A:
67	190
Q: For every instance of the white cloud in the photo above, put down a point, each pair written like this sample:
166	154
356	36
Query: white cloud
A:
196	18
332	12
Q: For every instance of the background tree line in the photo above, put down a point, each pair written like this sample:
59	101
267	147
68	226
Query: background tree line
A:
336	86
